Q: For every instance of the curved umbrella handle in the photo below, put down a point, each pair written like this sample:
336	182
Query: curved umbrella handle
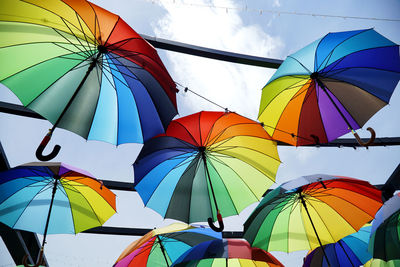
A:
41	147
220	222
371	139
38	263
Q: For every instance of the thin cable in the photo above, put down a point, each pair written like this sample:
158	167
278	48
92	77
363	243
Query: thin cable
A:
261	11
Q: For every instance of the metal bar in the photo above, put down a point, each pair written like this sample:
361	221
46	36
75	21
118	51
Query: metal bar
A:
200	51
341	142
109	230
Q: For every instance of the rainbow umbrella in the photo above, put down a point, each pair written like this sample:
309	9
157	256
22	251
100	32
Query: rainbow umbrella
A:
53	198
330	87
311	211
227	252
351	250
381	263
84	70
207	165
385	234
162	246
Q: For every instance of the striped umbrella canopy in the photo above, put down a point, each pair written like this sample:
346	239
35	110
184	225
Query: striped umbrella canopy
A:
85	70
330	87
381	263
162	246
311	211
385	234
53	198
351	250
206	164
227	252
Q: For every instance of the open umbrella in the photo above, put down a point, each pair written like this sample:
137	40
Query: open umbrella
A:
381	263
207	165
384	243
311	211
330	87
351	250
226	252
85	70
162	246
53	198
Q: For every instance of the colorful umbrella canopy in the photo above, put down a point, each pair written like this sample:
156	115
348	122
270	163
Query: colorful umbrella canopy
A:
205	164
385	234
381	263
85	70
227	252
351	250
162	246
330	87
311	211
53	198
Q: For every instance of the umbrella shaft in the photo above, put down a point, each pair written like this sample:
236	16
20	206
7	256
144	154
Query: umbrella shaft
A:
203	156
48	215
315	230
324	88
163	250
91	67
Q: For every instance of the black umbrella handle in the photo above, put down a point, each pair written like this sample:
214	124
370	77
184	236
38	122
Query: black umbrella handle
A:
221	226
42	146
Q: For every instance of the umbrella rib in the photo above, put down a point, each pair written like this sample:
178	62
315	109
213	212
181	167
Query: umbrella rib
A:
58	15
326	59
251	149
90	205
173	168
72	33
85	51
84	35
34	65
301	64
30	201
310	204
359	208
292	86
233	204
190	134
113	58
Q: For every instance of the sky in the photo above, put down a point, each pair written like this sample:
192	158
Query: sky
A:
272	29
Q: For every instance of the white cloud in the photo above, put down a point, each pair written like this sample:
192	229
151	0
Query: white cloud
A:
235	86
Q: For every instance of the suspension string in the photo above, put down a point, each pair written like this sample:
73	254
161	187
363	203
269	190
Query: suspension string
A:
186	89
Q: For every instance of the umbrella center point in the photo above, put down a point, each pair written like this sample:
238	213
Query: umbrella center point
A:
102	49
202	149
314	75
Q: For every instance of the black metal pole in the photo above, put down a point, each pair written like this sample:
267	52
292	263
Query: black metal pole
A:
91	67
56	178
163	250
315	230
322	85
203	156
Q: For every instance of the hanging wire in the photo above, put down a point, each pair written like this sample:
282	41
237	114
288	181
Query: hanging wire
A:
186	89
262	11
